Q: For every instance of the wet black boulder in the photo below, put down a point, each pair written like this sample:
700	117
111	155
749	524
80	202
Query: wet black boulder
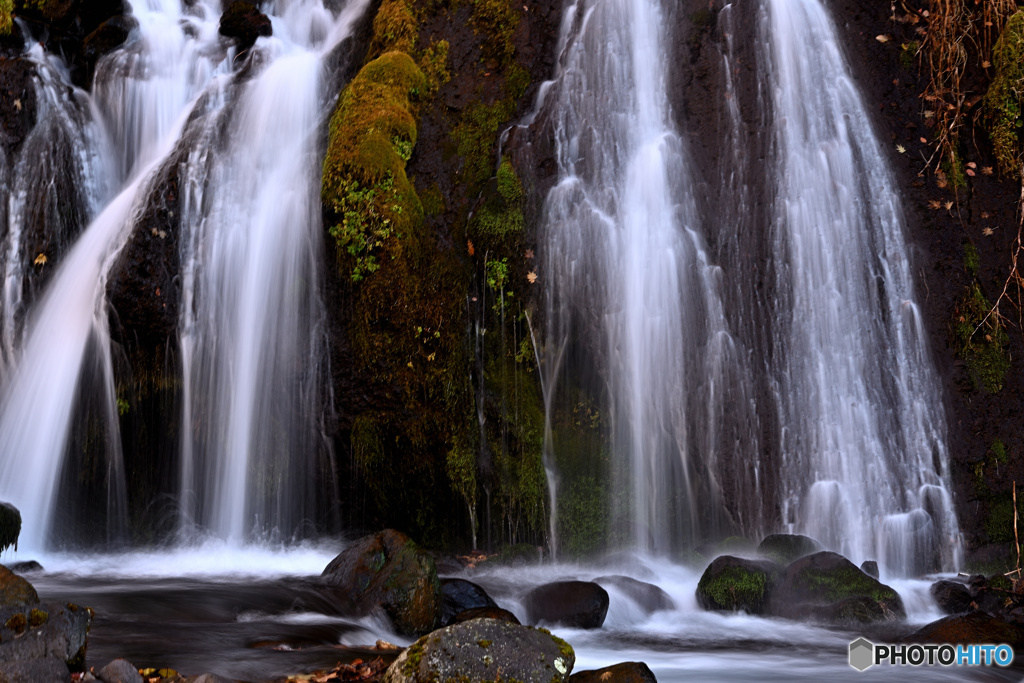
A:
952	597
577	604
459	595
245	23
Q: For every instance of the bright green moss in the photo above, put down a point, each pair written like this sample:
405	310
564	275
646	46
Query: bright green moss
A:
1005	95
982	345
434	64
497	20
395	29
735	588
6	17
372	134
972	260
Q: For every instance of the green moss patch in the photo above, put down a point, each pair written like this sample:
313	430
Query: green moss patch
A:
980	340
1005	95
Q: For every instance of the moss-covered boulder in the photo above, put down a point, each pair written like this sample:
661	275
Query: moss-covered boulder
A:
389	570
733	584
577	604
785	548
483	651
626	672
10	526
829	587
15	591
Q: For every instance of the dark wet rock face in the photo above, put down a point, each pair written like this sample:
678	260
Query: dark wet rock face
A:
831	588
577	604
484	650
459	595
388	570
870	567
733	584
649	597
244	22
18	111
953	597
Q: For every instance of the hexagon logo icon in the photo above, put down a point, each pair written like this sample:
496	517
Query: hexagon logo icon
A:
862	654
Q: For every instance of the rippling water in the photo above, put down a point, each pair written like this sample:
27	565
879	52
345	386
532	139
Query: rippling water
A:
256	614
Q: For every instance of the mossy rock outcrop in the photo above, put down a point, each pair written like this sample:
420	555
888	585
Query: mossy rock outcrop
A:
785	548
388	570
829	587
733	584
484	651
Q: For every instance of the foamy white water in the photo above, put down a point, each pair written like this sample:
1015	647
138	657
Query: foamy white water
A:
864	462
628	280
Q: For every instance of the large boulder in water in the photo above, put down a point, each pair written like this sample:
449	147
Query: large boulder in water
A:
626	672
486	613
244	22
829	587
973	628
389	570
732	584
484	650
952	597
647	596
785	548
578	604
459	595
48	630
15	591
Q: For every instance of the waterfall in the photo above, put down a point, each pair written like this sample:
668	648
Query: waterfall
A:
864	466
168	91
252	328
628	281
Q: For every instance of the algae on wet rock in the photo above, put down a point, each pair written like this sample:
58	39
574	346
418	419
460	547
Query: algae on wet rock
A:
484	651
733	584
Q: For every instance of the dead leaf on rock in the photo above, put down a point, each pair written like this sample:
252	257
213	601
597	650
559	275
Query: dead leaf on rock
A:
987	232
532	276
882	38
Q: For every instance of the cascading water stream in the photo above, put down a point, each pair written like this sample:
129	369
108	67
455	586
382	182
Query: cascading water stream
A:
38	398
864	466
627	269
252	328
165	93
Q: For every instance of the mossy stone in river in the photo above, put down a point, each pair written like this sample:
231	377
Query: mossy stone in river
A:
390	571
785	548
733	584
830	587
483	651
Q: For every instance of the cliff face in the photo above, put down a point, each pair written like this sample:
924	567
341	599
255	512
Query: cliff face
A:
437	422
